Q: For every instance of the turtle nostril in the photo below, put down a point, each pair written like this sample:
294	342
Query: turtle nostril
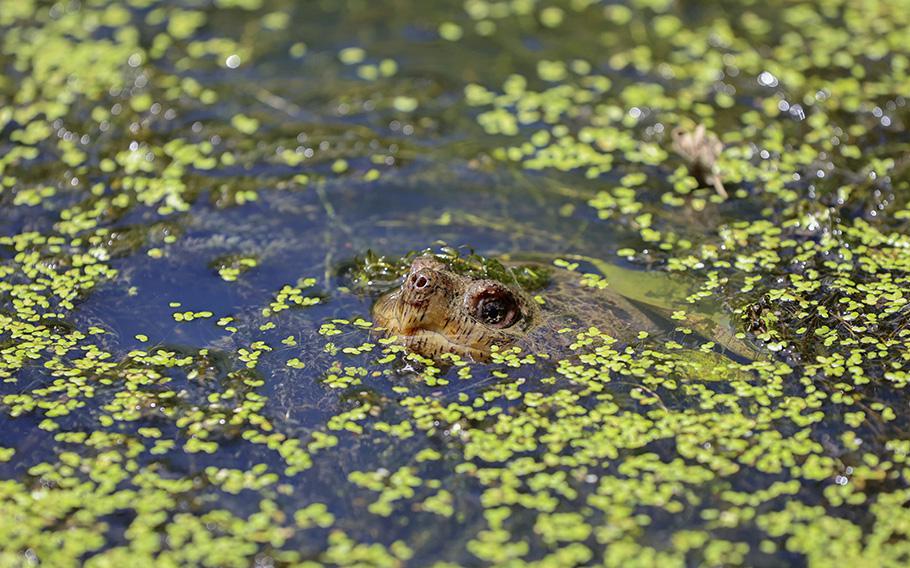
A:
421	282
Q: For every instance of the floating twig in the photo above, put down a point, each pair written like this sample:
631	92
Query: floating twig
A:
700	149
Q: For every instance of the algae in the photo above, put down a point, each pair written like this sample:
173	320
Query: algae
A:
188	374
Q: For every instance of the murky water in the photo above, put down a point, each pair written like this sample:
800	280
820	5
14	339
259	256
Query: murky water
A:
188	371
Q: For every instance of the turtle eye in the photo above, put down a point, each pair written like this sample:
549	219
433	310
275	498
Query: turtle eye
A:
494	306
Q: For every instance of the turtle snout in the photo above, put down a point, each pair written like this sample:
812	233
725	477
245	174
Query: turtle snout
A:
420	285
420	282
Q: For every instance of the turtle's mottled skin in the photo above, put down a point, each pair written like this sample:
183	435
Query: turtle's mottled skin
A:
437	311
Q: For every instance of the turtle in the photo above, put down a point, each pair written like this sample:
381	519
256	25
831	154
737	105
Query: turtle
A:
441	308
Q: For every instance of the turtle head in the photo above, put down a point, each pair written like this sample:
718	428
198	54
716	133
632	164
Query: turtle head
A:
436	311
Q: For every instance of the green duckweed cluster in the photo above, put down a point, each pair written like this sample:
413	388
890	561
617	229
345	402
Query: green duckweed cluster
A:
373	271
188	373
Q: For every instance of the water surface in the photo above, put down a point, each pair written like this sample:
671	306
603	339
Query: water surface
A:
188	370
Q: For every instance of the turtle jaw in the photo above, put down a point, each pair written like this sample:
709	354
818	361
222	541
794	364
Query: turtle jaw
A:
434	344
408	321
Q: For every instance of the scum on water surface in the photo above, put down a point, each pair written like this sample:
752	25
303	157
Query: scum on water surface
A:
188	373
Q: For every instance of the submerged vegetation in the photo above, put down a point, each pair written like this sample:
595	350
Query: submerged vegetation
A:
188	191
373	271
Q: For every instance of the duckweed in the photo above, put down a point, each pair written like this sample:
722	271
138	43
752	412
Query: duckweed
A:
190	194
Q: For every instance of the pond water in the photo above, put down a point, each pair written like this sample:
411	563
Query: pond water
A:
188	373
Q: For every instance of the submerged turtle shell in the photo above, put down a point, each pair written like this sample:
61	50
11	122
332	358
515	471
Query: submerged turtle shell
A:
569	304
437	310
